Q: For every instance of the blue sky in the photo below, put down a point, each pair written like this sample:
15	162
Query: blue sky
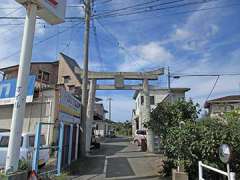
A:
202	41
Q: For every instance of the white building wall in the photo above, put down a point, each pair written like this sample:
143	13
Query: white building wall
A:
101	128
159	96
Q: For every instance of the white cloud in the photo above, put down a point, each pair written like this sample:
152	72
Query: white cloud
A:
181	34
146	56
198	29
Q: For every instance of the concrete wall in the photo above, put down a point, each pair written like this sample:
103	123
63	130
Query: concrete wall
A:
52	69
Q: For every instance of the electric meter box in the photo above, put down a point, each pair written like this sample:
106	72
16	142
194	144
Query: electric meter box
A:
52	11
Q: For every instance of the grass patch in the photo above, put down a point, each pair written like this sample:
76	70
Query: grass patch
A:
63	176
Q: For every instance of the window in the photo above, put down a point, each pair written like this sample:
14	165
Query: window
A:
66	79
32	140
4	141
142	100
71	88
152	100
43	76
142	132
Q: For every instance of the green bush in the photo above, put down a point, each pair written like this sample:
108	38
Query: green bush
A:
185	144
197	141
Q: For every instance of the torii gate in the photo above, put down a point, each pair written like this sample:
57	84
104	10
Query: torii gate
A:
119	78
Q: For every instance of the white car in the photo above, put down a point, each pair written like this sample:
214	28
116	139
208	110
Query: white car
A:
139	136
26	151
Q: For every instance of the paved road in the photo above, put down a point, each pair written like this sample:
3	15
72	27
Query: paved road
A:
117	159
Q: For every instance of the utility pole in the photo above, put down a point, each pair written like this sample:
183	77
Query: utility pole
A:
169	79
110	109
21	90
85	75
169	83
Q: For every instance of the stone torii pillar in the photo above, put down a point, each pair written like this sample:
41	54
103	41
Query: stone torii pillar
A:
147	114
90	113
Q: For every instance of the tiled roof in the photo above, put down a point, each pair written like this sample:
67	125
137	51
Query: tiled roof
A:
233	98
227	98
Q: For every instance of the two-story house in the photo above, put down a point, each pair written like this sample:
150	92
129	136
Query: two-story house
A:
156	96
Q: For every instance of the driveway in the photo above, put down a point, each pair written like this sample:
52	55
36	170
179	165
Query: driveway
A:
117	159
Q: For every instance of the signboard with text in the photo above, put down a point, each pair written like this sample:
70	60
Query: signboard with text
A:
8	89
69	107
52	11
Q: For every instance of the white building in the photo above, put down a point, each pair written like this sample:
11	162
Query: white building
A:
156	96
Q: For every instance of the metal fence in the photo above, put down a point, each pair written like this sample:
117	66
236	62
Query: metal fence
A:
228	174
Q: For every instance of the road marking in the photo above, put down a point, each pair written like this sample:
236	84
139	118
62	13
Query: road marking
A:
105	167
90	155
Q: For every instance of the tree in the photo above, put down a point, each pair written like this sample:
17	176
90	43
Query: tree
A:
124	128
167	115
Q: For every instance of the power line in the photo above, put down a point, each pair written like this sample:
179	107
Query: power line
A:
134	7
181	12
97	47
22	18
70	40
152	9
131	7
177	76
39	42
214	85
119	44
7	30
102	2
68	6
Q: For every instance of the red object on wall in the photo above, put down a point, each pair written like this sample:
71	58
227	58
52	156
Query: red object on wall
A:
54	2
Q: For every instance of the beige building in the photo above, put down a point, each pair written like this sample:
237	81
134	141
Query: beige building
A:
156	96
217	107
50	77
